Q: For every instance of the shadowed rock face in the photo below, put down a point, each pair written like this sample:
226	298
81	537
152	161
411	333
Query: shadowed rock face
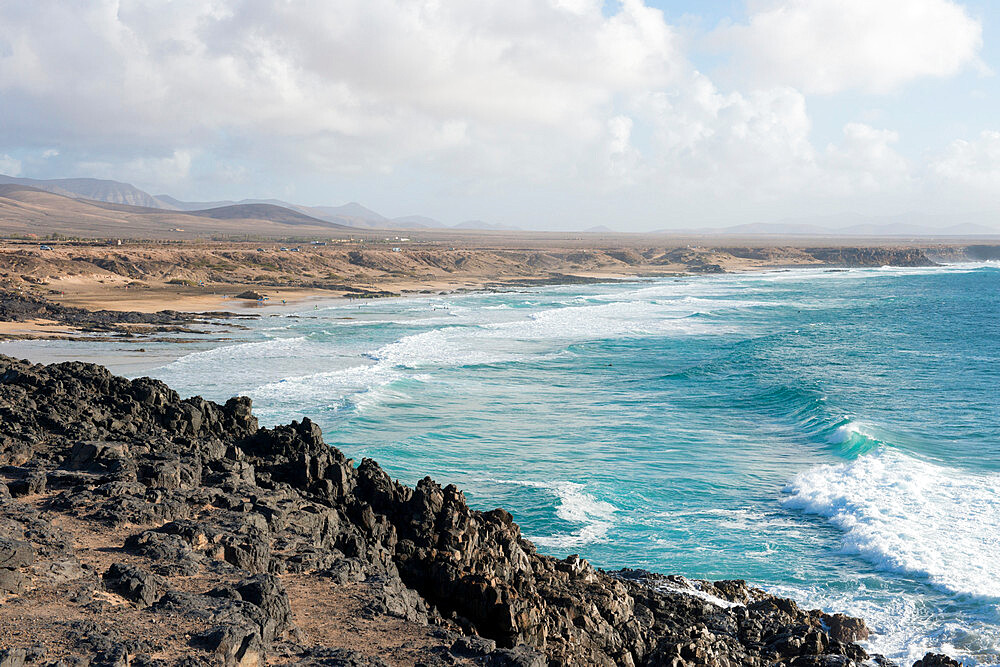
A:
982	253
873	256
192	488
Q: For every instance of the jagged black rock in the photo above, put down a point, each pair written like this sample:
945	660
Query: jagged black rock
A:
193	486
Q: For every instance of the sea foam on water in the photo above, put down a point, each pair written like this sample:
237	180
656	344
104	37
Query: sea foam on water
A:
910	516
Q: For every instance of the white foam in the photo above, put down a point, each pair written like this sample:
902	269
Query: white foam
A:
242	352
596	517
904	627
235	368
329	384
497	342
685	586
450	346
849	430
909	516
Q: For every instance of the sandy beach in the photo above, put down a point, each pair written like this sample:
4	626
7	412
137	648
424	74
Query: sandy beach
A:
250	278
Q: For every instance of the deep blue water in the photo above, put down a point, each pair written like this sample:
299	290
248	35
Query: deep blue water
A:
831	436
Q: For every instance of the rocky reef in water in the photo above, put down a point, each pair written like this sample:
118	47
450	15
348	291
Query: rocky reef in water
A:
137	528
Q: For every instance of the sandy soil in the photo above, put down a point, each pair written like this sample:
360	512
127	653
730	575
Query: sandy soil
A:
167	297
34	328
327	614
199	275
207	275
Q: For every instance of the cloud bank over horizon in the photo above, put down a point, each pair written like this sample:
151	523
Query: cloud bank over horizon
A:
538	113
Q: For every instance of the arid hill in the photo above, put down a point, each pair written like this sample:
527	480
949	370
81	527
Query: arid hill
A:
27	210
269	212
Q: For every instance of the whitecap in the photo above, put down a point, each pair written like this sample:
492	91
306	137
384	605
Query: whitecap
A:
848	430
912	517
253	351
596	517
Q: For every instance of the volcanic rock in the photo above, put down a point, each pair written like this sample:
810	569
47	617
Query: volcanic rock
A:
178	527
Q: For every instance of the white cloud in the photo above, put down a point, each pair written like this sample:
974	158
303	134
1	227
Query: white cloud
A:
865	161
383	74
971	167
9	166
163	171
708	142
503	107
828	46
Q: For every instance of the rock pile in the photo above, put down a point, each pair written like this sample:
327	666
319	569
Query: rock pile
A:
163	530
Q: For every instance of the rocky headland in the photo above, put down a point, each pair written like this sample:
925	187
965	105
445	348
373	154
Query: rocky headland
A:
137	528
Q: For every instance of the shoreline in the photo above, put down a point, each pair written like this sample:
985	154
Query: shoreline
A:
132	529
60	343
199	278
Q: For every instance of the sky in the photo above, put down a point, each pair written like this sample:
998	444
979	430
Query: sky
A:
636	115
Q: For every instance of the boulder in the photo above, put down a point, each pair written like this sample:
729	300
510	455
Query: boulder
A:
134	584
936	660
11	581
15	553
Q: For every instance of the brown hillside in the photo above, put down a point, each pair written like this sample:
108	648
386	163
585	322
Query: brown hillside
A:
27	210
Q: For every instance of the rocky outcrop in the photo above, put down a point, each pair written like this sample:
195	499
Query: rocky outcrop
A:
871	256
208	517
17	307
982	253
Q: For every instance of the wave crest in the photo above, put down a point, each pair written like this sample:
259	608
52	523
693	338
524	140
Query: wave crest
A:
596	517
910	516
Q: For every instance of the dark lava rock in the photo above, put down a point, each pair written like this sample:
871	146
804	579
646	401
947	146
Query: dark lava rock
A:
472	646
846	628
194	487
134	584
936	660
11	581
26	483
267	593
519	656
337	657
175	556
13	657
233	644
18	307
15	553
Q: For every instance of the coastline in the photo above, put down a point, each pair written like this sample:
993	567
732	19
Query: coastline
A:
411	476
201	278
49	341
132	528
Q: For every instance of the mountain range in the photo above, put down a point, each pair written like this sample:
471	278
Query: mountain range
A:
352	214
27	210
357	216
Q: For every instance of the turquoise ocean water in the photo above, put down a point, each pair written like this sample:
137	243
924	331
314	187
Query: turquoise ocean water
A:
833	436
